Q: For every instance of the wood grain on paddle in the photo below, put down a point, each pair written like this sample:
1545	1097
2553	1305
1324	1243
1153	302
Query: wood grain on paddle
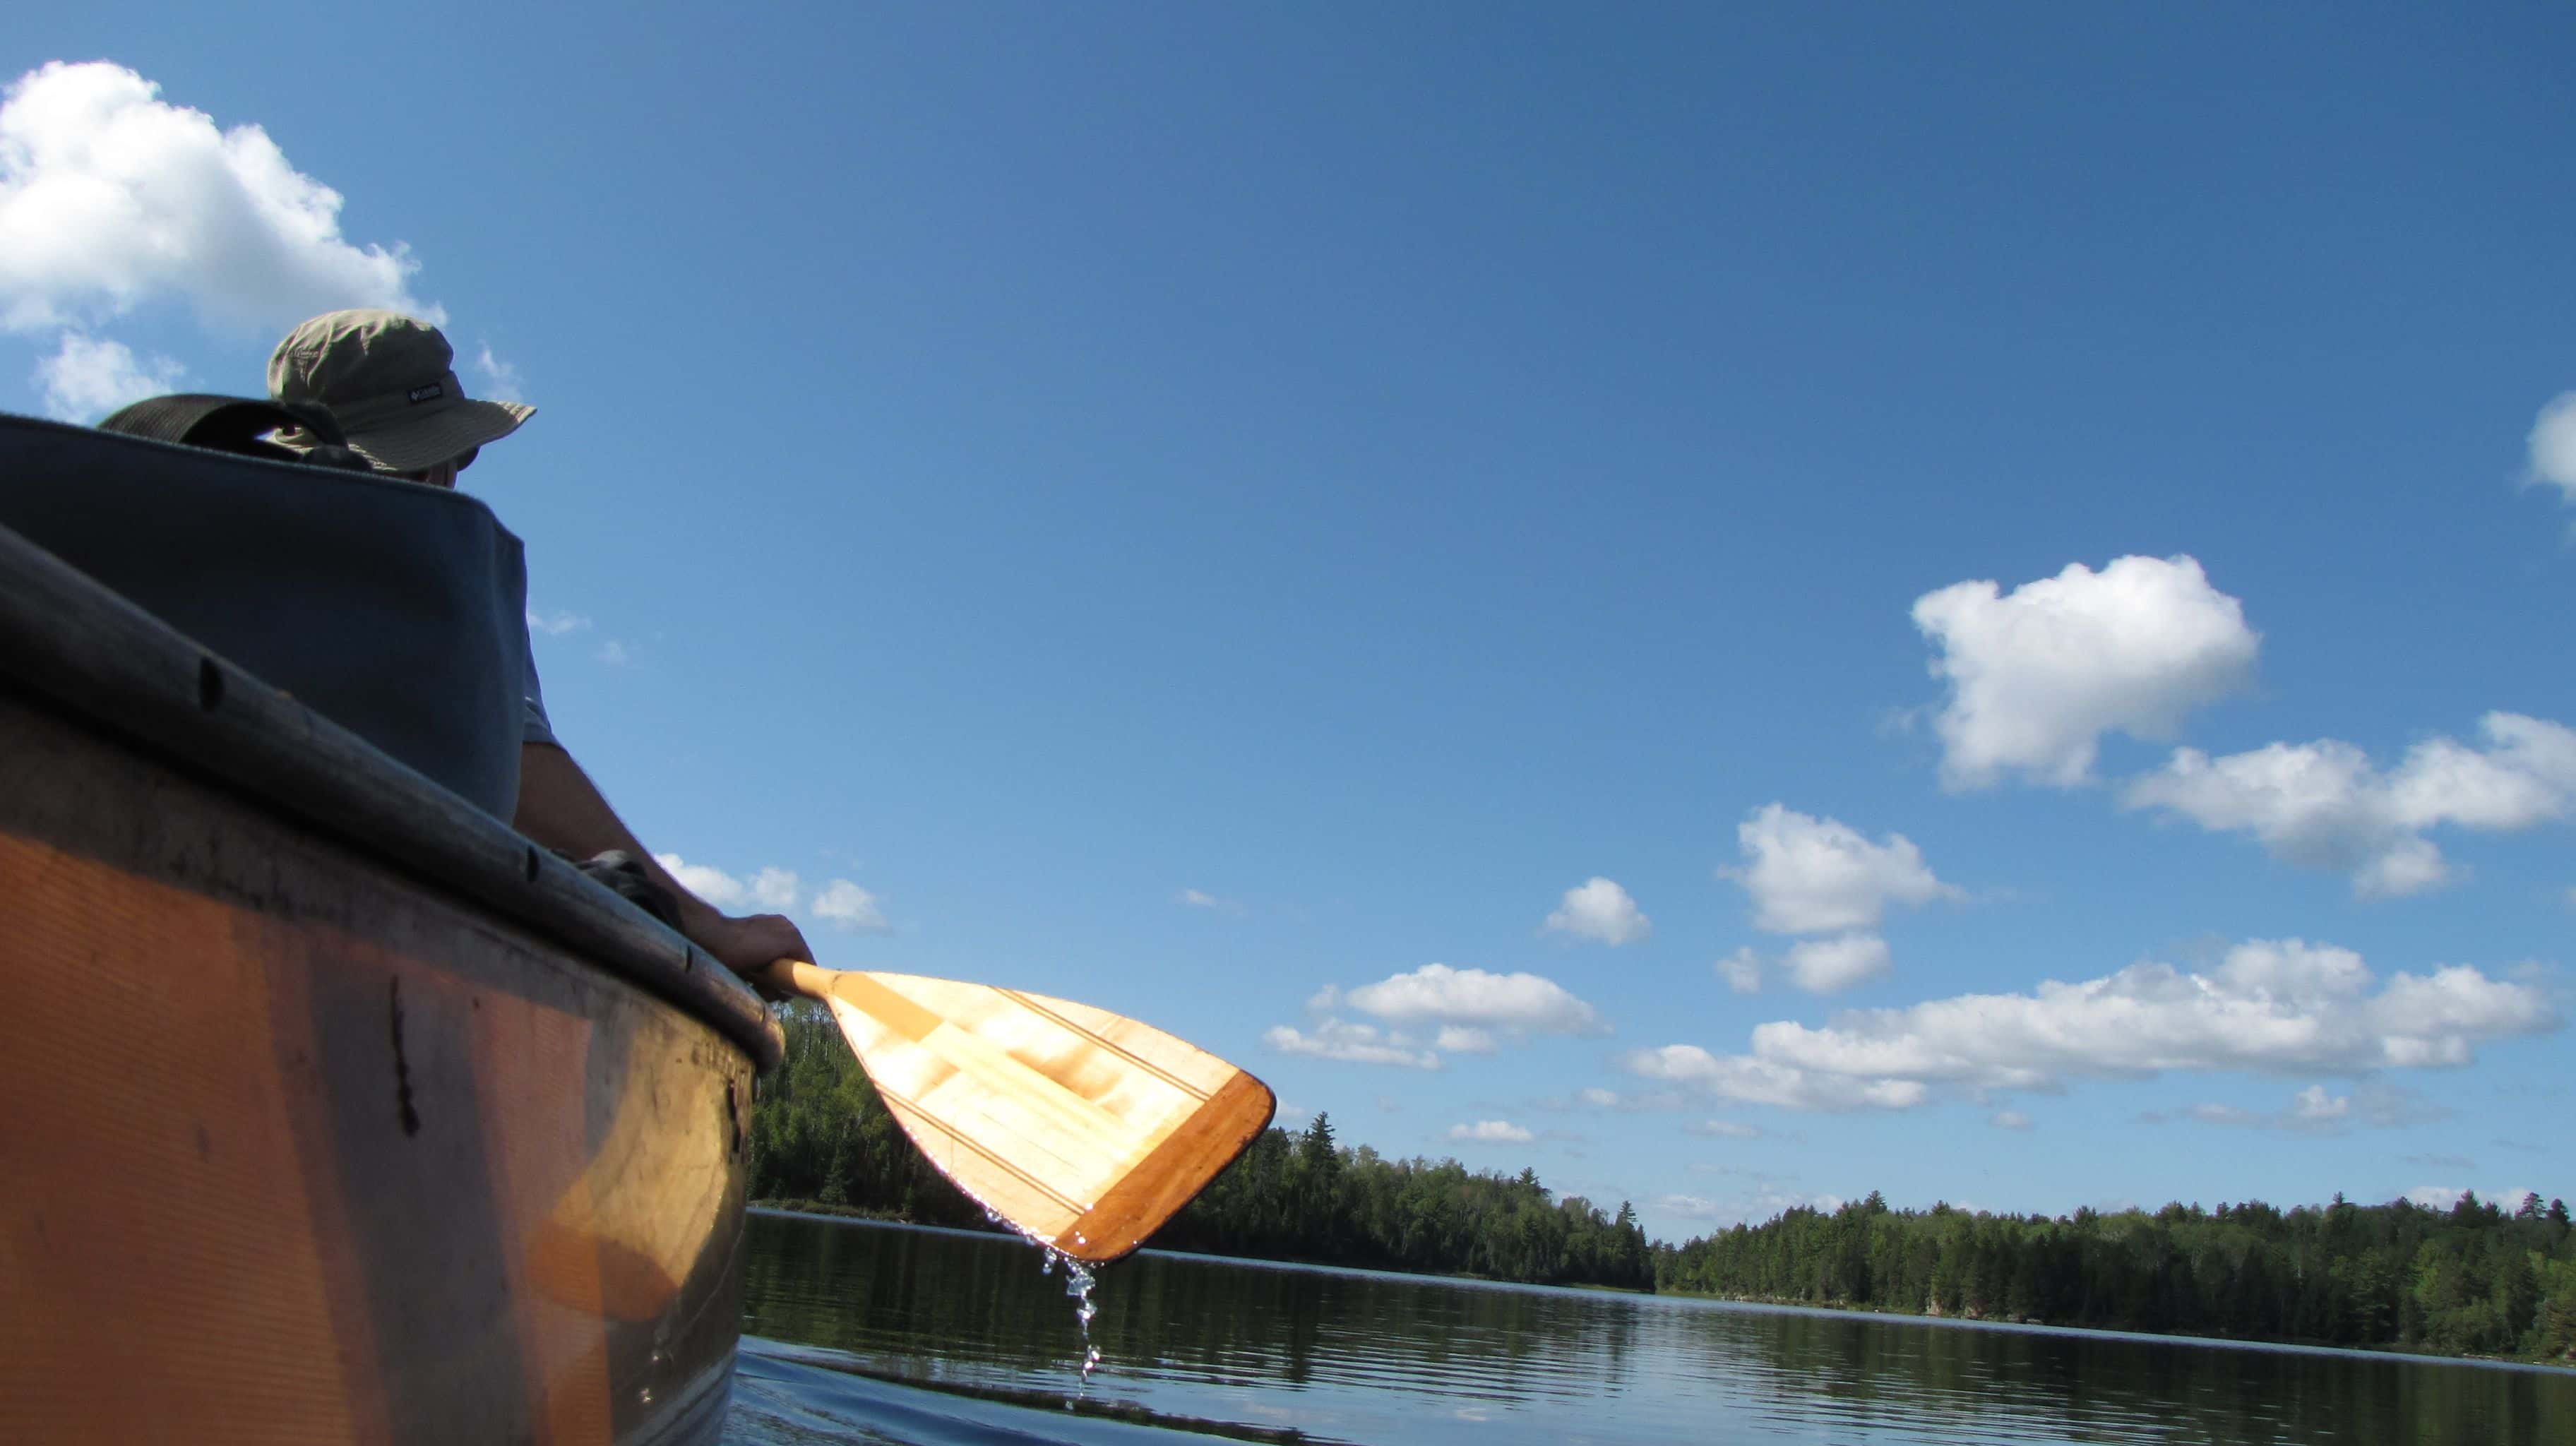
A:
1084	1129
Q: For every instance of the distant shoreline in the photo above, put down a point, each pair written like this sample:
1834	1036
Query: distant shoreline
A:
840	1212
2208	1338
816	1209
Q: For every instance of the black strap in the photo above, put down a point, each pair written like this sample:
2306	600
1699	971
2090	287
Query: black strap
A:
237	424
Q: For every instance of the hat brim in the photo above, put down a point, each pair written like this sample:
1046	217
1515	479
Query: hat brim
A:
416	444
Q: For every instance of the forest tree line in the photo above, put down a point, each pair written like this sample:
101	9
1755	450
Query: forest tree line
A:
820	1135
2473	1279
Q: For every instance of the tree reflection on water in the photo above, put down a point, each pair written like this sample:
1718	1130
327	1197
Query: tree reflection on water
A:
1359	1356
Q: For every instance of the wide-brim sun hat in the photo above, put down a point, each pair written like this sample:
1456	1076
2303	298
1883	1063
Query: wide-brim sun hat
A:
390	382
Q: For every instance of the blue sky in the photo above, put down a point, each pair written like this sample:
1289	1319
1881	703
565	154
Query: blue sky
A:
1214	513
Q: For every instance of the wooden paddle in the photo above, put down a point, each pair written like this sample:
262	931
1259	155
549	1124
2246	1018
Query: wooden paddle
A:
1082	1129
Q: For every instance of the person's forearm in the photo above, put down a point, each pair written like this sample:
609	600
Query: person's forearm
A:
561	808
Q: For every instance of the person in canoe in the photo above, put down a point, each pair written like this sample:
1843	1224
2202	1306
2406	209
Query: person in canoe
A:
390	382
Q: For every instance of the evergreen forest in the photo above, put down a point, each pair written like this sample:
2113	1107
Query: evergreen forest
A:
2473	1279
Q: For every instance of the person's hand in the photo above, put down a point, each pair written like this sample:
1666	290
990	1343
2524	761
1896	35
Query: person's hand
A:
751	942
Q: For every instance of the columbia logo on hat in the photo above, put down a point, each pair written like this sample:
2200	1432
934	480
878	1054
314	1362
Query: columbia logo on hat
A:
429	393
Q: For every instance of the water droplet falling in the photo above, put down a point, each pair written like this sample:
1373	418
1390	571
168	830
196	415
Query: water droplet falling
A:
1078	1283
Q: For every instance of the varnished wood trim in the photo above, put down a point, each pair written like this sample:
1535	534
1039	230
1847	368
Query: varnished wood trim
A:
1167	1179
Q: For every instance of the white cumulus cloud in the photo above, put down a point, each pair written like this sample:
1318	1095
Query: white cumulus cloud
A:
2553	445
2009	1120
844	905
2313	1106
1724	1130
87	377
557	623
499	379
2271	1006
1811	875
711	884
1762	1202
1468	1011
1464	1039
1601	910
1742	971
2324	805
2317	1111
1749	1080
841	903
1438	994
2445	1197
1350	1043
1827	966
111	197
2039	674
1492	1132
776	888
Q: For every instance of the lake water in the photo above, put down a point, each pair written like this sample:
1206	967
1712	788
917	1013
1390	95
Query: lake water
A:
882	1333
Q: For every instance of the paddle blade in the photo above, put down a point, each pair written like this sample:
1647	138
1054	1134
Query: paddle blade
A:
1084	1129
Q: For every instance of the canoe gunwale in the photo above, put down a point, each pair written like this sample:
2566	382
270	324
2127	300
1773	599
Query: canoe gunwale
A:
71	642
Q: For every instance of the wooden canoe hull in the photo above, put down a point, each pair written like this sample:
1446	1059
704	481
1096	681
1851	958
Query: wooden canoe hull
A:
299	1146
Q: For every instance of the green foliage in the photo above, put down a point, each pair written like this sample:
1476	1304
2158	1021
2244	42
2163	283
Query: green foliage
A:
2470	1280
1301	1197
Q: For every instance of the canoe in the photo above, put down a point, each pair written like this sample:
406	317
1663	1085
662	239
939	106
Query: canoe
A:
335	1110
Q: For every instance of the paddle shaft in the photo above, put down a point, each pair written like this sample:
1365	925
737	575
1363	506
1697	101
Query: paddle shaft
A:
795	976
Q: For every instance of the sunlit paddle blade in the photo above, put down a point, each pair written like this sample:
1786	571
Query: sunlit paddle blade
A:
1082	1128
